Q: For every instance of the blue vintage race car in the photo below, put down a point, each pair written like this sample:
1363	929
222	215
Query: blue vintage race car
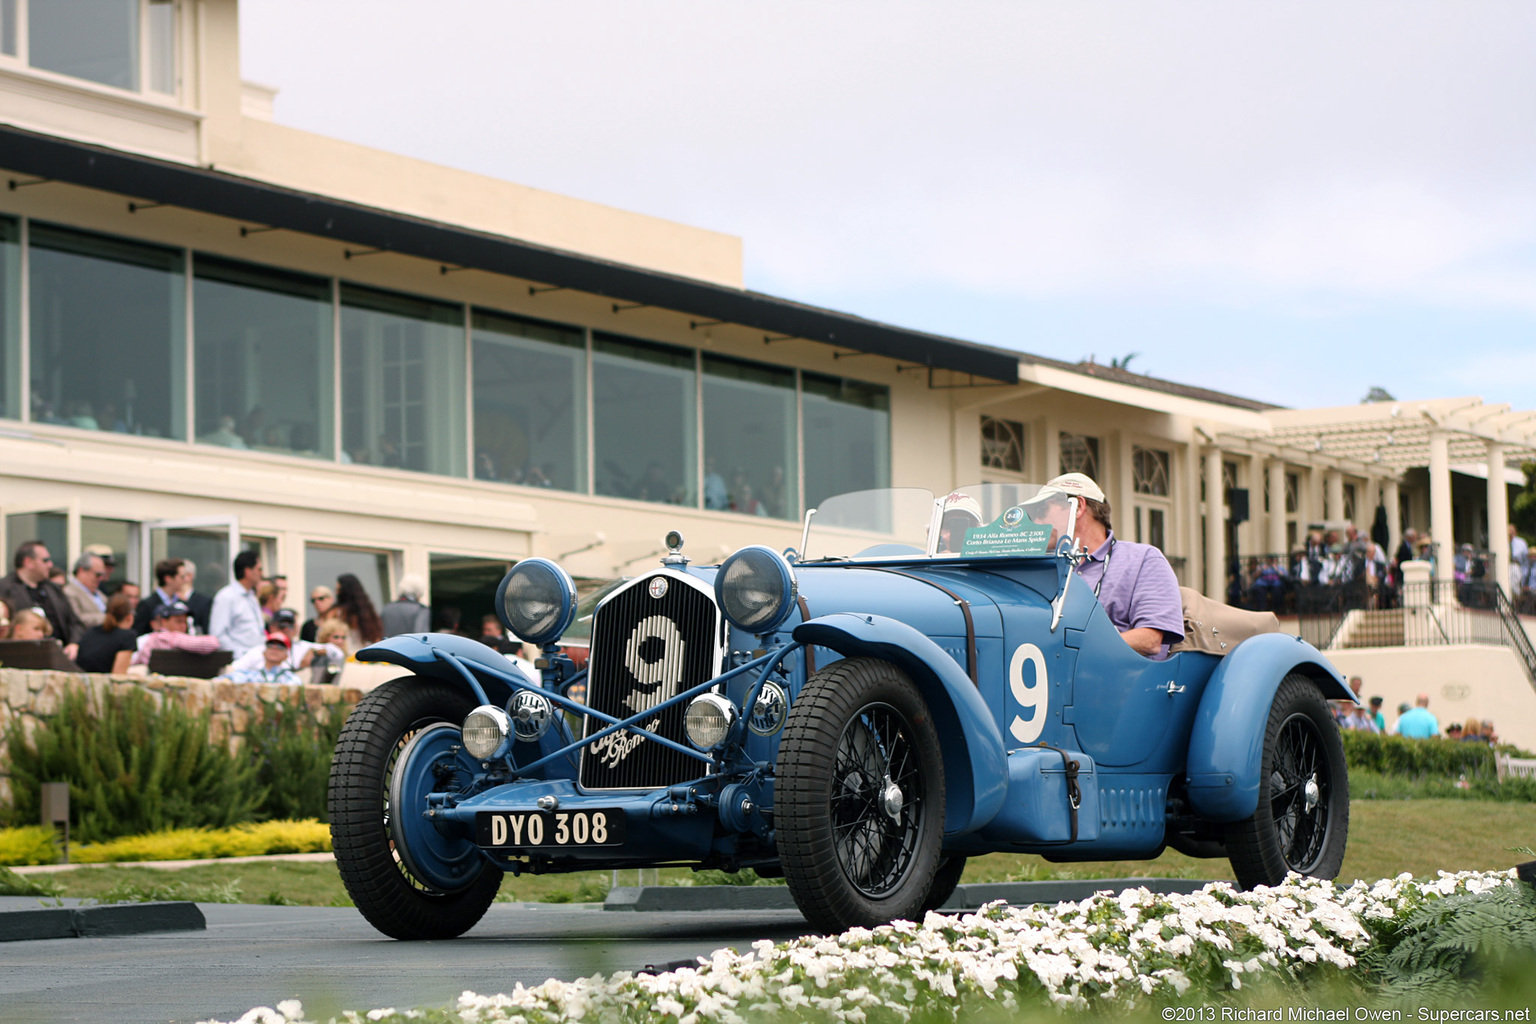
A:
861	716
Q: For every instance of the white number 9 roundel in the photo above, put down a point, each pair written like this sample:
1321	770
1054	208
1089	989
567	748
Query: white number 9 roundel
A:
1033	698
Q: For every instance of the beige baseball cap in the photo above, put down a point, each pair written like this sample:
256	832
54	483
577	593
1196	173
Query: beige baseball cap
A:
1068	485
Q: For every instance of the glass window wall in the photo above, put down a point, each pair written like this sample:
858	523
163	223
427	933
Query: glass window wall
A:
750	448
108	323
263	358
162	47
402	382
10	318
644	423
324	564
92	39
847	436
530	402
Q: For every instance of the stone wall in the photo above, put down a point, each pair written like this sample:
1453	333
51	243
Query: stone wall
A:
33	696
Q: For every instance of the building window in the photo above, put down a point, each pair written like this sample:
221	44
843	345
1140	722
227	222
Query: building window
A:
644	422
262	358
1349	503
750	443
8	27
847	436
1080	454
1002	444
127	44
402	382
323	564
530	401
108	325
1149	471
1292	493
10	318
1152	526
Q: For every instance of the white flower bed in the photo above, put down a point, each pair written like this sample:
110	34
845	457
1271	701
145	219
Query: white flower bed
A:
1106	951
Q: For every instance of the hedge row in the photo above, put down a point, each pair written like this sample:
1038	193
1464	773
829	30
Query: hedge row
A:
135	767
1420	759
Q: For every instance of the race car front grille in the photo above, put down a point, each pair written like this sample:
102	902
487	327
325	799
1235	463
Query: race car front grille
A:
650	641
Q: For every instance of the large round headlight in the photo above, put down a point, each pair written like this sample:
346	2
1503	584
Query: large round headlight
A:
536	601
756	589
487	731
708	720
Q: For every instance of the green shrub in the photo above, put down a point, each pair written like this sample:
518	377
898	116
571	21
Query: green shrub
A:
132	767
292	751
248	840
1398	755
1365	784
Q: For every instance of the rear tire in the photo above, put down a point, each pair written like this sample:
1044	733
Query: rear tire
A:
1302	821
390	895
860	797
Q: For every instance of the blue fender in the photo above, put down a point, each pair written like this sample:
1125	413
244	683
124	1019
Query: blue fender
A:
490	683
1226	745
976	769
418	652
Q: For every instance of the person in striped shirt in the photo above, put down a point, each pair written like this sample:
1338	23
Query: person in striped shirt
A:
168	632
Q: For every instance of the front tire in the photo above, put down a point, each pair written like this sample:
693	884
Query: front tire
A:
1302	821
400	740
860	794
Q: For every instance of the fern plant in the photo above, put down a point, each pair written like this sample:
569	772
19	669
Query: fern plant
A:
1448	950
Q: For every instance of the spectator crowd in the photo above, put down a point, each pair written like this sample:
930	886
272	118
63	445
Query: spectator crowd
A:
1413	721
261	639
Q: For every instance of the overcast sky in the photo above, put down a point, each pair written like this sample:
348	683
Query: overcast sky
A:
1288	201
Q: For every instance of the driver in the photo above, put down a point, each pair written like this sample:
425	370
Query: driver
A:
962	513
1134	582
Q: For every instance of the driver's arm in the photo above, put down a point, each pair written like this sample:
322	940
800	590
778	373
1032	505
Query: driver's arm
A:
1144	640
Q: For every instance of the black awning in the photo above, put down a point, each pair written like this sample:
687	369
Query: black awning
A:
258	203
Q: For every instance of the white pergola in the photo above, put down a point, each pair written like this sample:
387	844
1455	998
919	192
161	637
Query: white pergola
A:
1378	441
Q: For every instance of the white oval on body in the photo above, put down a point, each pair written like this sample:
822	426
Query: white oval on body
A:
1032	697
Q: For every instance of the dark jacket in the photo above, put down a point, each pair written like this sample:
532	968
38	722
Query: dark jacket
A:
66	624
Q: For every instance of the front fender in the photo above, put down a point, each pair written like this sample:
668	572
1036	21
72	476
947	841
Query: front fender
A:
1226	745
419	653
976	768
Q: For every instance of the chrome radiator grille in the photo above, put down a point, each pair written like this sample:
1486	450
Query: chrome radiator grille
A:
650	641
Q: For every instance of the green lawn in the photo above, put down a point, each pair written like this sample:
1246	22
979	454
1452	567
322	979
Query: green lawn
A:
1387	837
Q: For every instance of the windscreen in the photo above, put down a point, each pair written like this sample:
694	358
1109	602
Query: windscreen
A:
986	520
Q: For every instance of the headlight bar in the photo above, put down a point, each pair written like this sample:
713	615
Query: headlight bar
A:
767	663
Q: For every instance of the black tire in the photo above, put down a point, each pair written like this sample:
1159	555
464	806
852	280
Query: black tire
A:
944	882
1302	821
854	850
392	899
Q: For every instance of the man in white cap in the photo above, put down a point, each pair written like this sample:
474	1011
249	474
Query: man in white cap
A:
1134	582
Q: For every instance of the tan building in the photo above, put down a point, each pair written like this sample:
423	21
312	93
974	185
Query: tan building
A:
220	332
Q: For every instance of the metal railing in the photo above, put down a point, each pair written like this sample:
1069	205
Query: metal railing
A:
1428	614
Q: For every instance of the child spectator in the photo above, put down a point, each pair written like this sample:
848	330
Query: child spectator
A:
274	667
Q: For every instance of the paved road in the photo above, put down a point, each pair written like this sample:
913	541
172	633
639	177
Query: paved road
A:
333	960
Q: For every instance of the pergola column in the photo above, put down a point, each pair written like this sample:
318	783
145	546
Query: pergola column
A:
1441	529
1215	528
1277	543
1333	481
1498	514
1393	501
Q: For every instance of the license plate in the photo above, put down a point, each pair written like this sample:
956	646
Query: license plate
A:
542	830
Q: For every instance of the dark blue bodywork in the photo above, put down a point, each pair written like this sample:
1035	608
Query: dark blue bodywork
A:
1163	747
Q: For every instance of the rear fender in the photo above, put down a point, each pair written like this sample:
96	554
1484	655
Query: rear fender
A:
976	767
1226	745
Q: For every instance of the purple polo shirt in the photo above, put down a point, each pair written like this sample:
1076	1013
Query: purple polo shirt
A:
1140	590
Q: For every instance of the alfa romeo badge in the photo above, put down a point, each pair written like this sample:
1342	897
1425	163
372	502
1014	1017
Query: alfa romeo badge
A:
658	586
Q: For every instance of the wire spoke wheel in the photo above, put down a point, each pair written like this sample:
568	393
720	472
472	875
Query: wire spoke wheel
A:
860	797
1301	823
876	800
